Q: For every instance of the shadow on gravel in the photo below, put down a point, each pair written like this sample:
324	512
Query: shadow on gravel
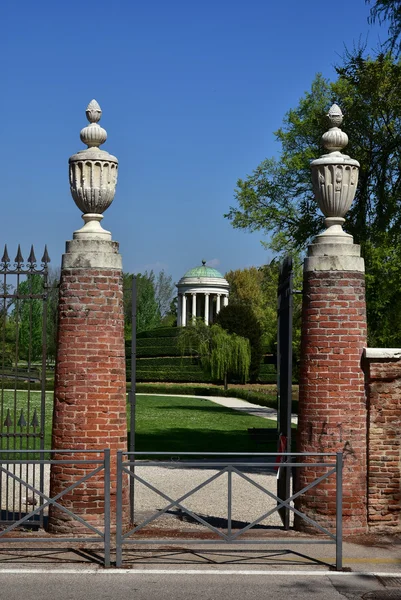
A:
237	558
55	556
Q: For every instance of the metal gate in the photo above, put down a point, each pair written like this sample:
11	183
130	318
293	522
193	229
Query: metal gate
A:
165	485
284	378
23	340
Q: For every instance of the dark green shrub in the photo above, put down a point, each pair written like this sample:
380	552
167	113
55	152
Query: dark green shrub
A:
240	319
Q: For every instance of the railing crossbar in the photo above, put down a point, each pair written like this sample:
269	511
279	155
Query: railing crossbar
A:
52	501
173	503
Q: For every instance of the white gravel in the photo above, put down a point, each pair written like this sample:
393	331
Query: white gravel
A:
210	502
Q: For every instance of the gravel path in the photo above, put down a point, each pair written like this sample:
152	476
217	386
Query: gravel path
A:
210	502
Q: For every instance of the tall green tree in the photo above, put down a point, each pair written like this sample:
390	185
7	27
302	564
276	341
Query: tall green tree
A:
147	310
256	287
52	312
220	353
28	317
7	327
239	319
390	11
277	197
164	291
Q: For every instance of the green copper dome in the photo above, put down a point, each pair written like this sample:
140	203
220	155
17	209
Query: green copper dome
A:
203	271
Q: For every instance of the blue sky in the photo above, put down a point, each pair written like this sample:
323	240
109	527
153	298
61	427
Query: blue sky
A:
191	94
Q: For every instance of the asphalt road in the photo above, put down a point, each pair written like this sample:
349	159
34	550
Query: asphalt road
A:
184	585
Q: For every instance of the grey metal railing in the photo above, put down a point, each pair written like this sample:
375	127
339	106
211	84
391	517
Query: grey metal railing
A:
99	463
129	463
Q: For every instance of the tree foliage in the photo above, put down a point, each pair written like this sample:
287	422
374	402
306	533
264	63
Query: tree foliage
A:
28	318
256	287
53	283
219	352
164	291
239	319
388	10
277	197
147	309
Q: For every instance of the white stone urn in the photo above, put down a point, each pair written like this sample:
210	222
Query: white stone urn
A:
93	177
334	179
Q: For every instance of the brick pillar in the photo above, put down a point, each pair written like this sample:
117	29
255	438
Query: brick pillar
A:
90	386
332	407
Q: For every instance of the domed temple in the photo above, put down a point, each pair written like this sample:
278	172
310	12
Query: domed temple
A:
202	291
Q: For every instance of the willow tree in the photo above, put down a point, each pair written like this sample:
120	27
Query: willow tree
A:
220	353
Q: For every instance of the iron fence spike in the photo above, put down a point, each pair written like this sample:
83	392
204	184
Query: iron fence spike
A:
21	420
19	258
45	257
5	258
8	420
35	420
32	257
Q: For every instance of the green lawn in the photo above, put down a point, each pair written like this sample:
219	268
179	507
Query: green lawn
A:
169	423
20	401
165	423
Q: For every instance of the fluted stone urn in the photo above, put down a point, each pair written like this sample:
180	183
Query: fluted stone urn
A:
93	177
334	178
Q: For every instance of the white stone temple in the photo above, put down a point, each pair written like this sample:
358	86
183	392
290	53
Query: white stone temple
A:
202	291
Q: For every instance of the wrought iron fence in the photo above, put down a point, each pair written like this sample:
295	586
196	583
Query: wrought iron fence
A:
19	481
131	463
23	341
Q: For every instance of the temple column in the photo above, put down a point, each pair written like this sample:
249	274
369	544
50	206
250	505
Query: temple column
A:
193	307
218	303
225	300
207	309
179	310
184	311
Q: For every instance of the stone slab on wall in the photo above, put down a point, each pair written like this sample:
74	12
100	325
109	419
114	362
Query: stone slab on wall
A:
383	387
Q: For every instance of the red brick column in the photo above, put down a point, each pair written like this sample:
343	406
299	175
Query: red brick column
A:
332	408
383	378
90	390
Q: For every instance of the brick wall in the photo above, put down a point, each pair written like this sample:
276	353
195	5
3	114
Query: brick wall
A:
332	407
90	388
383	384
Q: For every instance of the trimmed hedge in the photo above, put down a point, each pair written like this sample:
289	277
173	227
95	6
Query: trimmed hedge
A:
159	332
159	359
182	369
157	351
174	376
24	385
165	361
